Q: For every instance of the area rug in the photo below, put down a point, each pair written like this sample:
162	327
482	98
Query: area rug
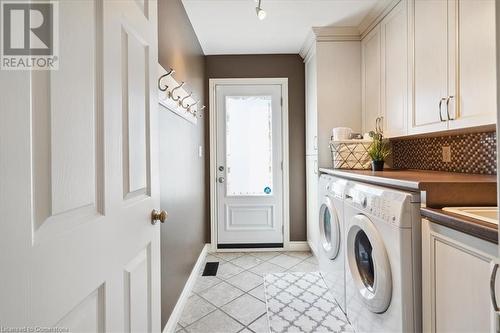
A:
301	302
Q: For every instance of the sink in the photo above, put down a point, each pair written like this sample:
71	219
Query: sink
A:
486	214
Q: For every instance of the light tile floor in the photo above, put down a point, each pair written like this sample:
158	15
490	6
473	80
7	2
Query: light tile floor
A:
234	300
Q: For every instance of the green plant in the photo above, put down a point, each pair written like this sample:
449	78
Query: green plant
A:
379	150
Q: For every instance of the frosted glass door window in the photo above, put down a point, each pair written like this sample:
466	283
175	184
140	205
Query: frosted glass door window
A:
249	146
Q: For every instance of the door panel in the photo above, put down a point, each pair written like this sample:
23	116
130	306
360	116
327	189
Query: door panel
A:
430	64
74	254
370	49
249	162
476	65
394	89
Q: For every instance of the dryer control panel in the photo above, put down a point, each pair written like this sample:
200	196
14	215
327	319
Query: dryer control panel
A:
389	205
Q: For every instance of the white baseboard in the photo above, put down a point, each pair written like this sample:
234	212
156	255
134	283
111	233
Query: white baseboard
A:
186	292
298	246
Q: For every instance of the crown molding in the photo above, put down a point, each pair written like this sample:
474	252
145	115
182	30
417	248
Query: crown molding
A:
381	9
346	33
307	49
333	34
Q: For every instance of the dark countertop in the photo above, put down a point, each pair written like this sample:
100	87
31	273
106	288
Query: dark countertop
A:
473	227
442	189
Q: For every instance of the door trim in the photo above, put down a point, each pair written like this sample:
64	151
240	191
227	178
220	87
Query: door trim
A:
213	83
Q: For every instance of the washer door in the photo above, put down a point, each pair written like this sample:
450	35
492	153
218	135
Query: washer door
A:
329	227
369	264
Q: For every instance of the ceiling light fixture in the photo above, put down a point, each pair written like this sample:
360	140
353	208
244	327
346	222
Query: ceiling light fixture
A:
261	14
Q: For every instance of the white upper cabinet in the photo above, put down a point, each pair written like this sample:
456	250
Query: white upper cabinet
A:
371	75
476	61
394	71
429	69
453	66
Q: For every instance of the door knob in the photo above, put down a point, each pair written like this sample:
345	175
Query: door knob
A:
221	180
158	215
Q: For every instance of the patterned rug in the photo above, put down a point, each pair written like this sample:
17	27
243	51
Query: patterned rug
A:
301	302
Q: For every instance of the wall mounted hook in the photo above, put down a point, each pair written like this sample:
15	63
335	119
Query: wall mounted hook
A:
164	88
181	103
172	91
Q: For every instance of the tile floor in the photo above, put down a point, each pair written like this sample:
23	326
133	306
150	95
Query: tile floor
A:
234	300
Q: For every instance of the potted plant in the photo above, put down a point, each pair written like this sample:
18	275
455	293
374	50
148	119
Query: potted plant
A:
378	151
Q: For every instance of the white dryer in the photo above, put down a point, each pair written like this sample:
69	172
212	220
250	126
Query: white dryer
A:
331	235
383	259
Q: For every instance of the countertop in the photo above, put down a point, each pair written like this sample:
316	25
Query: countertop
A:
438	189
474	227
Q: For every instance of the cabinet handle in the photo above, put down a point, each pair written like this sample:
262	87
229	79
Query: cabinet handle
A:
380	124
315	142
315	166
492	287
493	296
448	108
440	114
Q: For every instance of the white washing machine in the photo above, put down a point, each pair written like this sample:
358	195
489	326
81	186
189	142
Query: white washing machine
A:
383	259
331	235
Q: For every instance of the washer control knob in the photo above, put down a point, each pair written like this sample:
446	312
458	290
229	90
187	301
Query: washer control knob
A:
363	201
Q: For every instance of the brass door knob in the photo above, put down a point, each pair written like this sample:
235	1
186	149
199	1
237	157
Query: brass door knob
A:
158	215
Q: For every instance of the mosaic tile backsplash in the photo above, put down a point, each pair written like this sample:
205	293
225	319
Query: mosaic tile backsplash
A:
470	153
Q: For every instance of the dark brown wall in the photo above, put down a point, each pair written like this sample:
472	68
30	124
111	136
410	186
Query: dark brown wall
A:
182	171
292	67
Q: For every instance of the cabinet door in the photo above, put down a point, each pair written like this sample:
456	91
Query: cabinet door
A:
312	201
455	277
370	52
429	66
394	83
311	107
476	64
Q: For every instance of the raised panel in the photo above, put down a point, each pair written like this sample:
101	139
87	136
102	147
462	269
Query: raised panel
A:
394	71
249	217
458	307
476	64
430	65
66	125
135	99
87	316
371	79
137	277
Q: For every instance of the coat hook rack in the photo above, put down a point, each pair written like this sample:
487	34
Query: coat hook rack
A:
175	97
165	87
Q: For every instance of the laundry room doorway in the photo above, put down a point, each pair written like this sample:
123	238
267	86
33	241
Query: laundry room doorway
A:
249	163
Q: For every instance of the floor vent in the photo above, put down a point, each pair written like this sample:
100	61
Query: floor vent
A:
211	269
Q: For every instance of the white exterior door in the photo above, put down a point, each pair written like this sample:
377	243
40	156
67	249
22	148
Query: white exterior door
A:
78	175
249	165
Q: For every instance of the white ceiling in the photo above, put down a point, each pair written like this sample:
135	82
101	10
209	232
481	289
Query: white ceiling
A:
232	27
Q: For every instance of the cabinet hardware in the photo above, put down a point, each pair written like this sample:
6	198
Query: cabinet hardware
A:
439	107
493	296
448	108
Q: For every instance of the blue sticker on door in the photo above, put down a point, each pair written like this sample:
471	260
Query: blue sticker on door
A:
267	190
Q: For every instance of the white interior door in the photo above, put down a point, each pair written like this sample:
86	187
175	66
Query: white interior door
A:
78	173
249	164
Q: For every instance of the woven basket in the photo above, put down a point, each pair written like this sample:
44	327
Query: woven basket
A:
351	154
